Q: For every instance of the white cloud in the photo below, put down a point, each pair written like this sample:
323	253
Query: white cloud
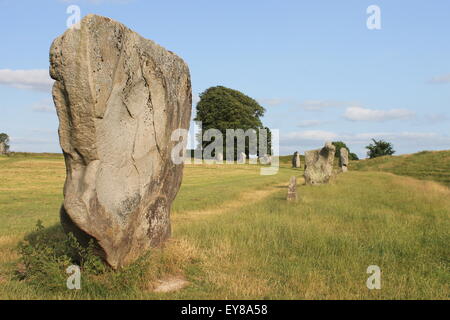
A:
44	106
309	136
364	114
440	79
317	105
404	142
272	102
20	141
34	79
308	105
310	123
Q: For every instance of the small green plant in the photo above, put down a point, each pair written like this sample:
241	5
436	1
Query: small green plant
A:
47	252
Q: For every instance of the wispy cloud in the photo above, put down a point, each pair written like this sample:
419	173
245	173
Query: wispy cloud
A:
319	105
435	118
440	79
34	79
364	114
45	105
308	136
311	123
322	136
308	105
406	140
273	102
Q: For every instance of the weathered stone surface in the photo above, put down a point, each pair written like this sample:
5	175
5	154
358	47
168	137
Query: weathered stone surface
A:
118	98
242	157
343	160
319	164
219	157
2	148
296	160
292	189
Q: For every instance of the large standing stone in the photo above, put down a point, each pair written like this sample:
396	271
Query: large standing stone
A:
118	98
292	189
319	164
343	160
296	160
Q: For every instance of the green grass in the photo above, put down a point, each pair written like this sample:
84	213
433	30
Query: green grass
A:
425	165
236	237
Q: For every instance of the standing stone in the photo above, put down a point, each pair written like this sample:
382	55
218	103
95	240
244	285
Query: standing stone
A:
118	98
296	160
343	160
242	157
2	148
292	189
319	164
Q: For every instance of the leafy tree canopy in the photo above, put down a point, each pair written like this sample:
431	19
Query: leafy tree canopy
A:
339	145
223	108
380	148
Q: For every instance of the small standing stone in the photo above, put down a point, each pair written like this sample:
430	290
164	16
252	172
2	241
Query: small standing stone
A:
343	161
292	189
2	148
296	160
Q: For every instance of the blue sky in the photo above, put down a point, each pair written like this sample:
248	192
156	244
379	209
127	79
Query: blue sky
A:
314	65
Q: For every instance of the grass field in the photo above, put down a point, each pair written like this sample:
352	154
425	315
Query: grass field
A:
236	237
425	165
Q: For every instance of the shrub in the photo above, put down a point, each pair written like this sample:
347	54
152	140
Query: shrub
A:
47	252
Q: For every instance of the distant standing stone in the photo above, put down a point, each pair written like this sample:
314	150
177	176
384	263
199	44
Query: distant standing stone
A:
118	97
296	160
319	164
2	148
292	189
343	161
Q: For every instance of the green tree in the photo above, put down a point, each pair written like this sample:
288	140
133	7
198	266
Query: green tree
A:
339	145
222	108
5	139
380	148
353	156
